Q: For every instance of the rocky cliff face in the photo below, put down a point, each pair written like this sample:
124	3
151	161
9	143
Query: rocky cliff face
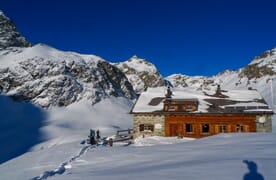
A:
49	77
141	74
9	35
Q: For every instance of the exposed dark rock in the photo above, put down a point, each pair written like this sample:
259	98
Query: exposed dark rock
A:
9	35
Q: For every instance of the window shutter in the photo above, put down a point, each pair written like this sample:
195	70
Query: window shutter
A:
141	127
151	128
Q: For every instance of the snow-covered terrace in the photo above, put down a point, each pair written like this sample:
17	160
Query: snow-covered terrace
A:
235	98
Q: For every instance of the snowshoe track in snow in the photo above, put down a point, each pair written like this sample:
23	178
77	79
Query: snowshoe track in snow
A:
64	166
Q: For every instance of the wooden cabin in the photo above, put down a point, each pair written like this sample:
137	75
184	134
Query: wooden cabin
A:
192	113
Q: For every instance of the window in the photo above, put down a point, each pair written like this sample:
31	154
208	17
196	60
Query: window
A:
146	128
240	128
189	108
222	128
189	128
171	107
205	128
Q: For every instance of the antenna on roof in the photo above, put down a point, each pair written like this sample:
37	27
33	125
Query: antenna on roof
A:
272	94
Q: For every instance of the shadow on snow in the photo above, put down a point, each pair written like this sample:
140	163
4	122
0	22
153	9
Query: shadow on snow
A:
253	173
19	127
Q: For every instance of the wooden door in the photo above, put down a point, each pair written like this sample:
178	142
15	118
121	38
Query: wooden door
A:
173	130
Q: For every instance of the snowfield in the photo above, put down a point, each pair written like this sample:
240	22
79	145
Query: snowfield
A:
64	156
217	157
77	92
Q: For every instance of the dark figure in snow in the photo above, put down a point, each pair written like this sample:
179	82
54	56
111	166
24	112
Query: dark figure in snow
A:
92	137
110	142
253	171
98	136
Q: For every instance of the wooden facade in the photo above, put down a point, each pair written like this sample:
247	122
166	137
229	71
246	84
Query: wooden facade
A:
202	125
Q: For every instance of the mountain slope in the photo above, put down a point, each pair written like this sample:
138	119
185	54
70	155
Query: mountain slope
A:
49	77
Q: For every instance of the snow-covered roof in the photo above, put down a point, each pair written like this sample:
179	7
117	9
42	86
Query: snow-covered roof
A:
206	99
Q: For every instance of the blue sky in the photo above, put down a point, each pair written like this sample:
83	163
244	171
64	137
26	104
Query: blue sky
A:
193	37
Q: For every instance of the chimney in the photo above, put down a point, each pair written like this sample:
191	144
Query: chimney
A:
169	93
218	90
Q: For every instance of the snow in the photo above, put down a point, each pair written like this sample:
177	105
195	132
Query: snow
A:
140	73
247	104
140	66
266	61
221	156
243	95
142	104
157	140
205	158
42	144
42	51
259	110
24	126
60	153
73	122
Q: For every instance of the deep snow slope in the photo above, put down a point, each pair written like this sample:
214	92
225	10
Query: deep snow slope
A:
25	127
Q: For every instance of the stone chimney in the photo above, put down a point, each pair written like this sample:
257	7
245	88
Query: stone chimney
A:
218	92
169	93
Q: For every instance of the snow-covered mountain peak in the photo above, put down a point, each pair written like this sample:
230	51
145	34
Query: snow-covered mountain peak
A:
141	65
141	73
9	35
14	55
1	13
196	82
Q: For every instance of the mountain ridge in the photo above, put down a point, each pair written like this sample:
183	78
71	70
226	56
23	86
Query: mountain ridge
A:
50	77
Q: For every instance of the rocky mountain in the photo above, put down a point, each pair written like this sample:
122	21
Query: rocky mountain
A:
141	73
9	35
260	74
197	82
49	77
